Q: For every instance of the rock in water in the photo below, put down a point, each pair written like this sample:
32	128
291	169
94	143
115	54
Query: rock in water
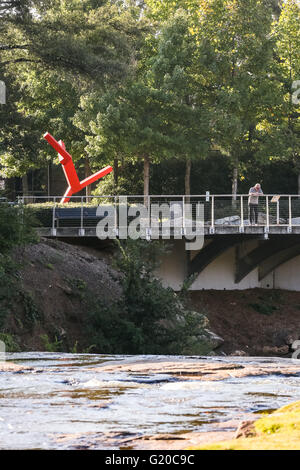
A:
214	340
10	367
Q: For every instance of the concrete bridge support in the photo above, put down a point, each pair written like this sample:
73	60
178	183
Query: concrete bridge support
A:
235	263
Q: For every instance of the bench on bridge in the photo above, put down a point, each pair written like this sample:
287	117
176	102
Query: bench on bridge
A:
77	216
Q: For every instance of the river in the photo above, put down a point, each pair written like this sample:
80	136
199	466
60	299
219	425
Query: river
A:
62	401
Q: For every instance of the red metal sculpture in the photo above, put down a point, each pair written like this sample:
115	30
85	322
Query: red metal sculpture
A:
69	169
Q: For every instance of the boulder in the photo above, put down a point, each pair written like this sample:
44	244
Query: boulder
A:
182	320
239	353
245	429
275	350
213	339
230	220
11	367
284	336
201	340
203	343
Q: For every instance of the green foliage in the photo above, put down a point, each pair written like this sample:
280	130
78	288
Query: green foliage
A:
15	230
8	287
187	283
167	82
51	346
78	287
3	315
159	114
32	313
49	56
10	342
269	303
7	272
15	227
264	308
74	348
148	318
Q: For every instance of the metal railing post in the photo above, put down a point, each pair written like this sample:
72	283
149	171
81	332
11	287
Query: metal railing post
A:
53	230
290	214
212	227
149	211
267	210
116	215
183	215
147	229
242	215
277	212
81	230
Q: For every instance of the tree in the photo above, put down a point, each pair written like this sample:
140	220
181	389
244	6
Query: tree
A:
79	36
176	71
286	122
236	35
131	123
159	114
51	52
238	73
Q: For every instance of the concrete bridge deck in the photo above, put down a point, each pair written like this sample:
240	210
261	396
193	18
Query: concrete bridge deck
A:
259	232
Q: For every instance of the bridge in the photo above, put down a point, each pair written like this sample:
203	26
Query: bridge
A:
235	253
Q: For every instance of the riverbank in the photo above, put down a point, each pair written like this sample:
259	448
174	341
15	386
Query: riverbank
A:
50	308
71	298
46	308
252	322
278	431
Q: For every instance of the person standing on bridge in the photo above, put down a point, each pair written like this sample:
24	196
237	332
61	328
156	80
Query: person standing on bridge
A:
254	194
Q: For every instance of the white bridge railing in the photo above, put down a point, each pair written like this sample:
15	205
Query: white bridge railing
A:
217	210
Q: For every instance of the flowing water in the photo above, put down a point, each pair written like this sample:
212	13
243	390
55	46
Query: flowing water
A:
63	396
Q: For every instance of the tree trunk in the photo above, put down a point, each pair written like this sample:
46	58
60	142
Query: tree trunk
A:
187	180
298	183
234	183
87	173
49	180
116	171
25	187
146	178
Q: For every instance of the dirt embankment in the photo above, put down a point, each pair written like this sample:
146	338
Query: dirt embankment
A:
257	322
55	277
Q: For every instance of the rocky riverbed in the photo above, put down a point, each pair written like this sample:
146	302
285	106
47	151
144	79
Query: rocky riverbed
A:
86	401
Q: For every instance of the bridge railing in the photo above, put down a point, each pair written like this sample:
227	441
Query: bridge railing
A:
214	210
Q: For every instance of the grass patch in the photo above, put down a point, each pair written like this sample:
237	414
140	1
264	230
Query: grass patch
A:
51	346
78	287
263	308
278	431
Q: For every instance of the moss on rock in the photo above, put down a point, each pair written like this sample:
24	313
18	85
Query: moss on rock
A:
278	431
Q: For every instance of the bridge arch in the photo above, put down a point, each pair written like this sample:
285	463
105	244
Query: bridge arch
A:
267	256
211	251
281	257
